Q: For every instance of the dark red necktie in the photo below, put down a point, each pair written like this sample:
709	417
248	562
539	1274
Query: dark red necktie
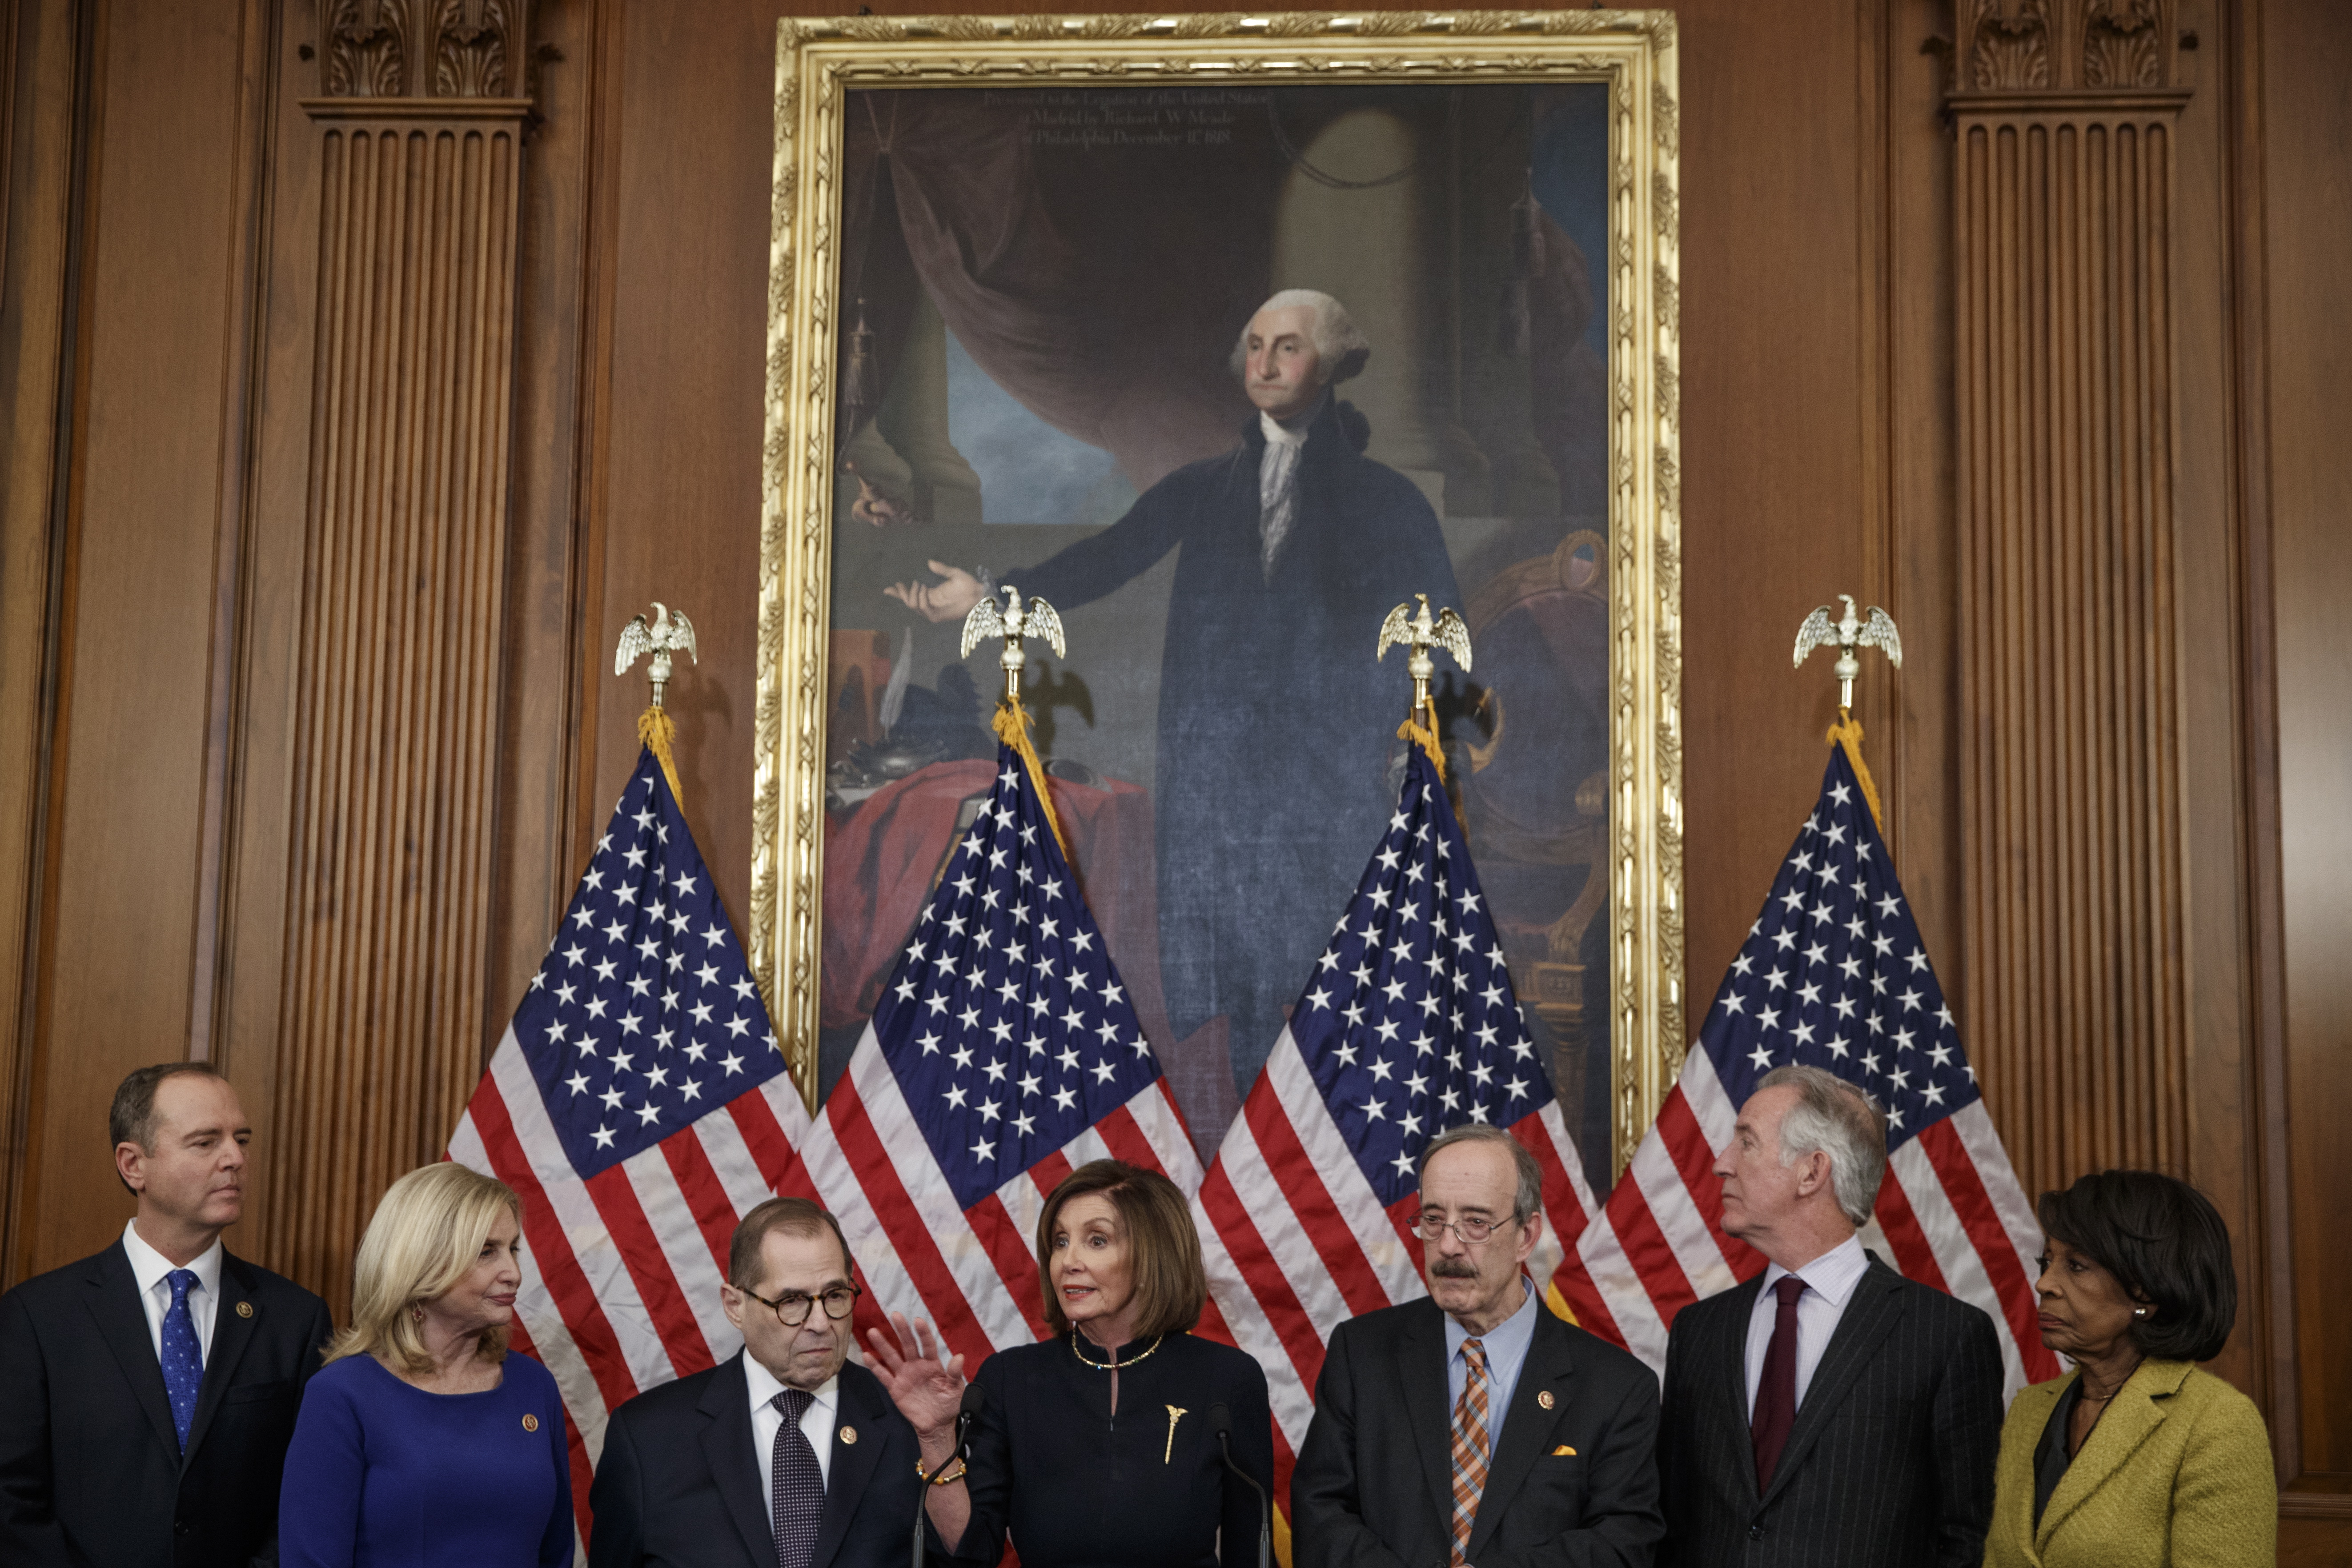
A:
1776	1392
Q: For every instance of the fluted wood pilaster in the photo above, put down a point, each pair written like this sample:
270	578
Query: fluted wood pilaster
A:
384	1013
2065	115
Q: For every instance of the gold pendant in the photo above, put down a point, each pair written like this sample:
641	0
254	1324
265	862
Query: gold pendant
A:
1175	1414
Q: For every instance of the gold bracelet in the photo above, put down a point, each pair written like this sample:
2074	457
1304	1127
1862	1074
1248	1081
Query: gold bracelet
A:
953	1476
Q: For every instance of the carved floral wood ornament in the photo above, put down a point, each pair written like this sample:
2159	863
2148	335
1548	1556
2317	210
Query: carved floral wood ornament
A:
375	49
821	61
2063	46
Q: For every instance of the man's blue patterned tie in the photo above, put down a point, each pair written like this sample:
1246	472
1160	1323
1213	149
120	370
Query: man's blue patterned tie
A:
183	1359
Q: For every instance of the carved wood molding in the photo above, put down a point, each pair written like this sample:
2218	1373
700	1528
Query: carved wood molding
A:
384	1005
2065	47
424	48
2073	876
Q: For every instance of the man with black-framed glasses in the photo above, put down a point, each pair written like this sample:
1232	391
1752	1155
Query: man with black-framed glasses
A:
1472	1428
784	1456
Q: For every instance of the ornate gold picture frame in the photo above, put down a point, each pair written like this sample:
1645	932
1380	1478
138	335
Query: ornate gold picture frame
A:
1626	561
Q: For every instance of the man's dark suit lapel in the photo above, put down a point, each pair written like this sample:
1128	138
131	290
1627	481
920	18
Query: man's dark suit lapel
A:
863	1409
1725	1391
727	1450
1526	1426
232	1331
114	1304
1871	1314
1421	1366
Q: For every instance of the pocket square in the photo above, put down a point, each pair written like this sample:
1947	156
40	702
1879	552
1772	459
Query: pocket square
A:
1563	1452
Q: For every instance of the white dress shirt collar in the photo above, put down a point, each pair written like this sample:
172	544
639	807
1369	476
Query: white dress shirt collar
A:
1833	1274
815	1423
149	1267
153	1272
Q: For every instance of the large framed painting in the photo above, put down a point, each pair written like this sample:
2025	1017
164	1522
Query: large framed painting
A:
1035	280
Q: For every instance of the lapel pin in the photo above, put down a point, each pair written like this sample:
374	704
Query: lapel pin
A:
850	1433
529	1422
244	1308
1563	1452
1545	1399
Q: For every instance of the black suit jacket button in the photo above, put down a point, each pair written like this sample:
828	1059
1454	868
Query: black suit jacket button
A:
182	1527
1755	1533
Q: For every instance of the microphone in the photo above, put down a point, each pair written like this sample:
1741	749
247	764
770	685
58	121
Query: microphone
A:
1221	1422
975	1396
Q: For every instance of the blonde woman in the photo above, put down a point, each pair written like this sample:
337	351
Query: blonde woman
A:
421	1441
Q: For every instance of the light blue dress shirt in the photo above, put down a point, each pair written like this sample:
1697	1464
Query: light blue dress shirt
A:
1506	1352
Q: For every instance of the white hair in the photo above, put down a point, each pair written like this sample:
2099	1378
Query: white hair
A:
1339	347
1834	1117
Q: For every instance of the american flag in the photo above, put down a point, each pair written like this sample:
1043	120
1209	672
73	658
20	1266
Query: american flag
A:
1408	1026
1005	1052
1832	975
639	1105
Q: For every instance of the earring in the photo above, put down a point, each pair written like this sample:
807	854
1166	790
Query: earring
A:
2139	1311
417	1313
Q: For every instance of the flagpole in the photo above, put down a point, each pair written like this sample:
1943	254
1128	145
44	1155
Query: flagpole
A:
1013	622
1847	634
1418	634
664	635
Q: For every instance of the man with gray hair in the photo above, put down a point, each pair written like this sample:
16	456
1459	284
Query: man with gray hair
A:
1828	1411
1472	1425
1274	730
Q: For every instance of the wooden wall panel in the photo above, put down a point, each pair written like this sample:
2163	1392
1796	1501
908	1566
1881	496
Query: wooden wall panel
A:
2064	190
403	644
111	934
2307	172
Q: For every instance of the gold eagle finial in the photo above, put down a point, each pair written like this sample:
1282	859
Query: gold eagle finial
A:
1012	623
1846	634
1420	632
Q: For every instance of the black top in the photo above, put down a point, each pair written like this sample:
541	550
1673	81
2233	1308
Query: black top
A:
2050	1457
1080	1487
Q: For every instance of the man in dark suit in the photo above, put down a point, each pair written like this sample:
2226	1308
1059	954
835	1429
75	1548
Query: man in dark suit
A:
1828	1411
147	1394
783	1454
1474	1426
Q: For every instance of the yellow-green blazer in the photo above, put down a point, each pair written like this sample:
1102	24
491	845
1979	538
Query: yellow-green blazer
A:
2177	1474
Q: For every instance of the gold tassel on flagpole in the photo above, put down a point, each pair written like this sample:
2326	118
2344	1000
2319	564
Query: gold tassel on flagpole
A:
1424	735
1012	727
657	730
1847	733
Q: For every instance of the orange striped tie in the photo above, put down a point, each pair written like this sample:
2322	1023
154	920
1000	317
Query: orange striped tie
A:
1471	1449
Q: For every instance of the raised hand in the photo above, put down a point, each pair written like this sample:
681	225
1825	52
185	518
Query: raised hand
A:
950	599
925	1384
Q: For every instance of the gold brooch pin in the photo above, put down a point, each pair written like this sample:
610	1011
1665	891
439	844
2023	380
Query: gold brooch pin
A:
1544	1398
244	1308
850	1433
529	1422
1175	1413
1563	1452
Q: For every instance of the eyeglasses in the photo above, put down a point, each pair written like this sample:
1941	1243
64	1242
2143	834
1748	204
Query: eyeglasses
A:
1430	1227
793	1310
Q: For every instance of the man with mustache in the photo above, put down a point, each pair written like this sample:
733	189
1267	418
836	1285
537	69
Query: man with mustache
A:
1474	1426
147	1394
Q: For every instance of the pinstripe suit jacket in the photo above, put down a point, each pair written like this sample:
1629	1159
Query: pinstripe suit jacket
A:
1890	1460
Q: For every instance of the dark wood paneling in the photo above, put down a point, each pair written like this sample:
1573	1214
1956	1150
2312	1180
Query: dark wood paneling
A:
121	856
2307	178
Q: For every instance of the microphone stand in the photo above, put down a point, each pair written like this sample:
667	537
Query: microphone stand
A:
973	1398
1221	1422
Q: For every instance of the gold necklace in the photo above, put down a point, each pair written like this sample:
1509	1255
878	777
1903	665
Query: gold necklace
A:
1111	1365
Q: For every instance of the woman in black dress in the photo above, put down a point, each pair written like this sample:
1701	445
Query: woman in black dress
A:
1094	1448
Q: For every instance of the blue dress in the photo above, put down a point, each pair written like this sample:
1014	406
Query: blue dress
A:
383	1475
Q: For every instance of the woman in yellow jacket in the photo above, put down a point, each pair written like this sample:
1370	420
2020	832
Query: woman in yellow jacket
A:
2136	1458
